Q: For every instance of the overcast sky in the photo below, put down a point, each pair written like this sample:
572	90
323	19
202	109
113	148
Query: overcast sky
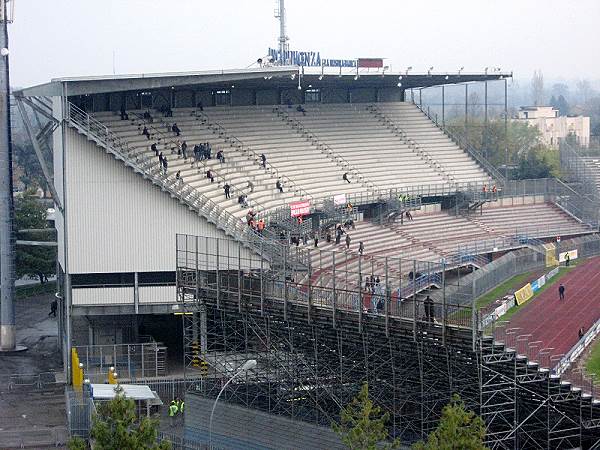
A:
53	38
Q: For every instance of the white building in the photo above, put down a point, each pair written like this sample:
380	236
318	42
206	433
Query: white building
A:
554	127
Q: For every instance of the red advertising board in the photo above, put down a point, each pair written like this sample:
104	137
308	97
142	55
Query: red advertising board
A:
370	62
300	208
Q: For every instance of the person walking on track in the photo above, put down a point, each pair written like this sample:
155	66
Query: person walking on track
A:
561	292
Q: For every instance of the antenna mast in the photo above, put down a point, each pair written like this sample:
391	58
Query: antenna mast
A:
283	38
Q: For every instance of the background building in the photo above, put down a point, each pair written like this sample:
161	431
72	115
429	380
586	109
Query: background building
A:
554	127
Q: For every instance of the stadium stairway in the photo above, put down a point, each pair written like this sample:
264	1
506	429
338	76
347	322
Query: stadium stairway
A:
143	162
292	157
381	156
594	166
418	128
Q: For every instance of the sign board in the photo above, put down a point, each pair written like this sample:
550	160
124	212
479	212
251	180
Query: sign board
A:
523	294
537	284
309	59
572	255
370	62
301	208
339	199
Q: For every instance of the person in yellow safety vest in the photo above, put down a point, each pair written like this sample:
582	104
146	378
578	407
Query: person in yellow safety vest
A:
173	409
180	405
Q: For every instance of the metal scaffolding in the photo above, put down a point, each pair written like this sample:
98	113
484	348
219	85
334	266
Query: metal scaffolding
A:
314	351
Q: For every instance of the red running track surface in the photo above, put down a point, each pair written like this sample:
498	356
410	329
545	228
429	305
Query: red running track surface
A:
556	322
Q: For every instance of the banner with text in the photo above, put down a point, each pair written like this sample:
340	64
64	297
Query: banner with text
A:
523	294
562	257
300	208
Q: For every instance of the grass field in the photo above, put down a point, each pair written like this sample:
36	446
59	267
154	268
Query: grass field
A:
592	364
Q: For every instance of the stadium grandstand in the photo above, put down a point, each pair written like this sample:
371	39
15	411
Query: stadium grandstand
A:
226	198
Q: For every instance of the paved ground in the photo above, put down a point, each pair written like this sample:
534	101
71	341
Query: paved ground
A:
37	331
32	406
556	322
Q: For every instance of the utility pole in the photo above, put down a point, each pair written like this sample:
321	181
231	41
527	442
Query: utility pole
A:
283	38
7	257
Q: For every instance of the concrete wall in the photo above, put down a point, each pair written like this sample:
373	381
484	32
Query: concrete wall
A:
242	97
363	95
390	95
267	97
329	95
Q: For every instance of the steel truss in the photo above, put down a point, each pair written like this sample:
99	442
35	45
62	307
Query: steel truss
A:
312	362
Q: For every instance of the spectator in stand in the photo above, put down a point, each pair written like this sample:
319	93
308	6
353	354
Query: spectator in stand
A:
146	133
165	165
207	150
210	176
200	106
160	158
348	242
168	112
338	236
250	215
227	190
345	177
263	160
316	238
485	188
251	186
561	292
154	148
175	129
243	200
289	103
361	248
409	216
301	109
328	237
184	147
147	116
279	186
260	225
124	115
178	177
220	156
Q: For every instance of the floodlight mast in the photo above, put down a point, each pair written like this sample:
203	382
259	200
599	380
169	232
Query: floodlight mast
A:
7	256
283	38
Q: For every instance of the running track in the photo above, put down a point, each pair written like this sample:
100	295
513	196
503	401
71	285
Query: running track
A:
556	322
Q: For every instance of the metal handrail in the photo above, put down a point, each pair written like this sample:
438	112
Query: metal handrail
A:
232	226
412	144
339	159
247	149
220	178
464	143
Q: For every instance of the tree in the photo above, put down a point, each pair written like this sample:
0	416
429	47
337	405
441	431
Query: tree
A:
34	261
584	91
459	429
537	88
559	89
116	426
362	425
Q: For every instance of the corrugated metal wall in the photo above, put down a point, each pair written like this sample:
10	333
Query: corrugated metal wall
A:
117	221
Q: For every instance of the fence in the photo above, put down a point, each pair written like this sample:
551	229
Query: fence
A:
80	409
131	361
37	381
34	437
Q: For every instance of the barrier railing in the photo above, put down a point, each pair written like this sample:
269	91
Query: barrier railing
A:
463	143
339	159
187	194
131	361
237	143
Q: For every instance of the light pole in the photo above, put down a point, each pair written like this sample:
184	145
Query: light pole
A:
248	365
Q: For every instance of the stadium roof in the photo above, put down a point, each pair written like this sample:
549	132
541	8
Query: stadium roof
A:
257	78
